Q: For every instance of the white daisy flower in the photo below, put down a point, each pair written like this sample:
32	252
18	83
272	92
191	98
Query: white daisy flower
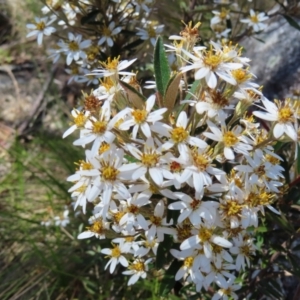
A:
255	20
284	114
97	229
227	293
259	172
111	174
73	48
234	141
140	118
220	16
114	67
138	269
219	274
212	63
188	268
108	33
150	32
158	224
116	256
97	130
41	28
79	119
244	249
133	217
197	169
150	160
205	236
179	135
194	208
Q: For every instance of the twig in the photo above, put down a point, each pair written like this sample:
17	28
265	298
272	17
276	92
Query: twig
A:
7	69
37	103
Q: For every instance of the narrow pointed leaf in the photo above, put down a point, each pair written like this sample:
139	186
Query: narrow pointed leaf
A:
161	67
136	98
292	21
172	91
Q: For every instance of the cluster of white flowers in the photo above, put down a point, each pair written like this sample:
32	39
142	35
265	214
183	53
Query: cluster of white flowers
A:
81	55
200	173
221	21
57	220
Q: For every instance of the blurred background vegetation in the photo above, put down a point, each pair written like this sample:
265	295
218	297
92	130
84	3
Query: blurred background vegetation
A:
48	262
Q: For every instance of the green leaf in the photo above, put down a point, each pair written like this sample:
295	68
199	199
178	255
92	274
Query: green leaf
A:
292	21
281	221
163	252
168	281
172	91
161	67
135	98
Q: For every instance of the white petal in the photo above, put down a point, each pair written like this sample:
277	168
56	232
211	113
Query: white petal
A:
221	242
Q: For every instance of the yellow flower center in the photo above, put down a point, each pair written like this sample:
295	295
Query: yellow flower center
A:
109	173
40	26
139	115
99	127
116	252
231	208
240	75
179	134
118	216
153	189
285	115
107	83
216	248
138	266
111	64
85	165
97	227
204	234
74	70
254	19
245	250
103	148
150	159
223	14
188	262
226	291
150	244
263	198
106	31
200	161
151	32
80	120
155	220
212	60
73	46
230	139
